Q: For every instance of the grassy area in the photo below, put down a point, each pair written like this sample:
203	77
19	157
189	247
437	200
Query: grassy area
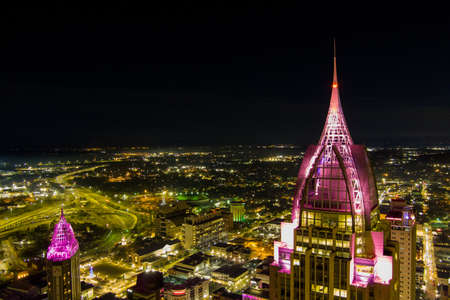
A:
110	269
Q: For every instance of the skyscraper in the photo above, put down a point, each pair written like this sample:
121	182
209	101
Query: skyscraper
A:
334	247
403	230
63	263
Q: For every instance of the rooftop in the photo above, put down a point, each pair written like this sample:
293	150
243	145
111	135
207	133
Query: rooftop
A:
108	296
221	245
86	286
154	245
226	295
233	248
277	221
257	293
172	282
195	259
148	282
201	219
233	271
38	280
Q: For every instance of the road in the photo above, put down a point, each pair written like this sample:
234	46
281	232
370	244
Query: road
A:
11	260
430	263
63	178
123	214
26	218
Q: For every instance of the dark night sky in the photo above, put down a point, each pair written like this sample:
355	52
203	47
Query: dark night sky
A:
216	75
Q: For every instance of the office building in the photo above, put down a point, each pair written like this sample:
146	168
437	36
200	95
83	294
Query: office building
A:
203	231
403	230
334	248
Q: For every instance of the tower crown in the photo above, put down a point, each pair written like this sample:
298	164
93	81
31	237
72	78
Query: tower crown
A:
64	244
335	175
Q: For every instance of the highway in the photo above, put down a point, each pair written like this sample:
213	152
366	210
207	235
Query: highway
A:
63	178
99	209
27	218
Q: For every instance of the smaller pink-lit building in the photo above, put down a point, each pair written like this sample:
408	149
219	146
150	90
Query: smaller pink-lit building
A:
63	263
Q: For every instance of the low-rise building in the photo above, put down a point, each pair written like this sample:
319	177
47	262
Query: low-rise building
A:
442	254
274	225
259	284
186	289
234	278
112	296
155	248
443	291
223	294
419	274
190	266
30	287
149	286
87	291
255	294
443	277
233	253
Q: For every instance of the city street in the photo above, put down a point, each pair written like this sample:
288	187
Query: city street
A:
430	264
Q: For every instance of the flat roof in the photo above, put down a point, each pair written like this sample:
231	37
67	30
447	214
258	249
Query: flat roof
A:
232	271
154	245
86	286
195	259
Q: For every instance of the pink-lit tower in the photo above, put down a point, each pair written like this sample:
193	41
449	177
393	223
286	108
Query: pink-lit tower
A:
63	263
334	247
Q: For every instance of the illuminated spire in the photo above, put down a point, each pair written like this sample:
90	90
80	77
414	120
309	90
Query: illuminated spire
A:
335	81
335	130
64	244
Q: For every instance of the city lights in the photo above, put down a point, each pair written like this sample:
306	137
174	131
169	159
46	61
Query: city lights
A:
186	193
